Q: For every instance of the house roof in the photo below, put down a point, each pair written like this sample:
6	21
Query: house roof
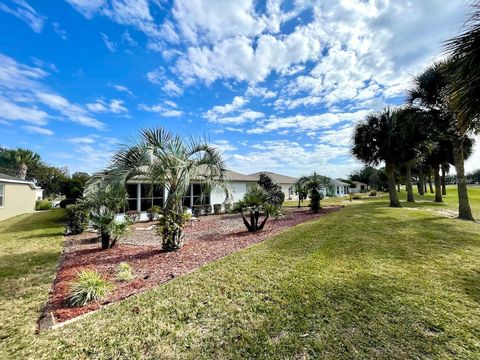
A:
340	183
235	176
277	178
12	179
359	183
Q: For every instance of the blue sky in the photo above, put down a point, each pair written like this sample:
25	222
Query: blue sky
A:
277	85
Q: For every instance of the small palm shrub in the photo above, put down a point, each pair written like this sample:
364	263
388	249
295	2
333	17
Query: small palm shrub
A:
76	219
88	286
315	197
124	272
43	205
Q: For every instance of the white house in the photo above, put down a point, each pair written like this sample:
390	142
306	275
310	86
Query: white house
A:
286	182
359	187
341	188
17	196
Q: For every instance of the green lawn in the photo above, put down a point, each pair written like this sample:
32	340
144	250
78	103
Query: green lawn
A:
30	246
367	281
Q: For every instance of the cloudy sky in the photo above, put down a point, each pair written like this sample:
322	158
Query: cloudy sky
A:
277	85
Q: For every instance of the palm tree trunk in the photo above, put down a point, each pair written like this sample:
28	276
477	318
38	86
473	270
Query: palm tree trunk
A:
464	210
421	182
389	171
438	186
444	185
410	197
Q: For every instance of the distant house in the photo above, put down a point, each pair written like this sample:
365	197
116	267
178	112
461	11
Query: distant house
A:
286	182
340	188
17	196
359	187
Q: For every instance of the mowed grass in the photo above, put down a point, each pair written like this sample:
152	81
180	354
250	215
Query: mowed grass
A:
365	282
30	246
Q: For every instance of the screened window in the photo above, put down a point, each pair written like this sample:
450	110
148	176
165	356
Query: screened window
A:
132	197
2	195
196	195
151	195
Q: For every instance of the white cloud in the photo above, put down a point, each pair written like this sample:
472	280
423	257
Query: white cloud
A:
38	130
172	89
108	43
122	88
232	113
22	10
168	109
127	39
115	106
259	91
224	145
21	84
59	30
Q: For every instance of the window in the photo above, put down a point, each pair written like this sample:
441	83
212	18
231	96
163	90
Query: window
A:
2	195
195	195
150	195
132	197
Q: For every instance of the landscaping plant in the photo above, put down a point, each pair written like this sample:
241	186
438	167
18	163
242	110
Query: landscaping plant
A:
88	286
255	203
165	158
76	219
43	205
124	272
154	212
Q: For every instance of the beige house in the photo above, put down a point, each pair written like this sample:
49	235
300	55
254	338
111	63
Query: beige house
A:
17	196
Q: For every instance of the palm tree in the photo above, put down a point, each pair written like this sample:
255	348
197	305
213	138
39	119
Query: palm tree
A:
160	157
375	140
430	91
464	90
24	159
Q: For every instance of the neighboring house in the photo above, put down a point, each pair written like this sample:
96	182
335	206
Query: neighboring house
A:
286	182
17	196
341	188
359	187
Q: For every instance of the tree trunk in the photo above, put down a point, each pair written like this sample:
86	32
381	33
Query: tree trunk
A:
105	237
389	171
398	187
438	185
444	182
410	197
173	239
430	182
421	182
464	210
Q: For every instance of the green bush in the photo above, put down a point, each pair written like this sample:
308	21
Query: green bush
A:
43	205
76	219
124	272
88	286
217	209
154	212
373	193
65	202
315	197
133	216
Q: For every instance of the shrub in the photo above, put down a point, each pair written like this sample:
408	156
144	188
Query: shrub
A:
88	286
315	197
65	202
356	196
133	216
76	219
207	209
154	212
217	209
43	205
124	272
373	193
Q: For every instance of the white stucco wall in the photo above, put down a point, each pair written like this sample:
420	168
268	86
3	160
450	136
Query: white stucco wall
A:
238	189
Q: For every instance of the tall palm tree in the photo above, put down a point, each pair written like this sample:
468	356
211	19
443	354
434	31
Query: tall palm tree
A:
430	90
464	90
24	159
375	140
160	157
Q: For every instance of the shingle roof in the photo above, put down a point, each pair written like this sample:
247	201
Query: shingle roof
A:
277	178
9	177
13	179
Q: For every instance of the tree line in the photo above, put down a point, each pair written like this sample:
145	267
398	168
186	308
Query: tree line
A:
435	127
28	165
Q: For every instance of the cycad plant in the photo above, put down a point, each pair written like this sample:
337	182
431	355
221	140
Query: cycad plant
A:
161	157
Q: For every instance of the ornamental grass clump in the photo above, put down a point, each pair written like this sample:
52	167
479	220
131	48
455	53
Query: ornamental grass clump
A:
88	286
124	272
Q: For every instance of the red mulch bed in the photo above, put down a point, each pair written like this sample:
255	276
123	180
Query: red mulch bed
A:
208	239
